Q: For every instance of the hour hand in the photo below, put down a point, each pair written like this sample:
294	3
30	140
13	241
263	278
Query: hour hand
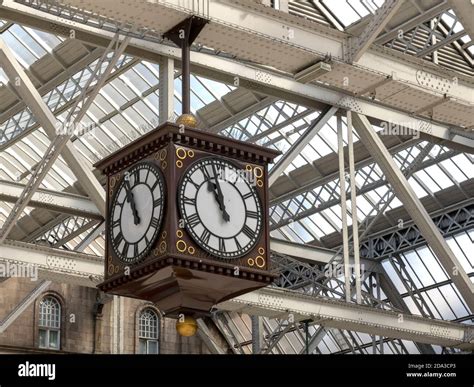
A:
136	218
219	196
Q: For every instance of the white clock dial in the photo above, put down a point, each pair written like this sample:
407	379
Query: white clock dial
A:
220	208
137	212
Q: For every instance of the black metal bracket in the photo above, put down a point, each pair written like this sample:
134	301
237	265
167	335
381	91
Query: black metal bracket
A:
183	35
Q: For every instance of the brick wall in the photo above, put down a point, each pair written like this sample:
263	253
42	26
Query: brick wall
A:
117	329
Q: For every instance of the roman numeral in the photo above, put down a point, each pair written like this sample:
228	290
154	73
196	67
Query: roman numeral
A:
248	195
118	239
248	232
239	247
125	248
190	201
221	244
193	183
154	185
158	202
135	249
155	223
205	236
136	176
252	214
193	220
116	223
205	173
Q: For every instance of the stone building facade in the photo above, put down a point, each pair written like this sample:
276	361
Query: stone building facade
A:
75	319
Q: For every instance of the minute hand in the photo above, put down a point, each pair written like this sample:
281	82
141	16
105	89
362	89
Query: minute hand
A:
220	197
130	199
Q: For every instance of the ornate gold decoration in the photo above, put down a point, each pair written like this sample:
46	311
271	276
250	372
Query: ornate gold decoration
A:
191	250
117	268
260	261
164	164
163	246
181	246
190	153
187	120
179	163
110	269
248	168
259	183
163	154
250	261
163	235
179	233
181	153
261	250
112	182
258	172
186	326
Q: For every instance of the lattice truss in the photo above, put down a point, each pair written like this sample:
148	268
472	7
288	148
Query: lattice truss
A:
305	199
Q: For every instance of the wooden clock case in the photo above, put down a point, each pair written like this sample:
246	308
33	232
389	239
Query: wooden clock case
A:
177	275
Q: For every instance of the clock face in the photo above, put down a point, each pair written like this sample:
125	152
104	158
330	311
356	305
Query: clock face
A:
136	212
220	207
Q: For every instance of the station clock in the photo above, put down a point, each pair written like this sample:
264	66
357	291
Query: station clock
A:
187	219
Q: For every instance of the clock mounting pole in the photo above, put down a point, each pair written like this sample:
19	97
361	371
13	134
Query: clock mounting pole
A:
183	35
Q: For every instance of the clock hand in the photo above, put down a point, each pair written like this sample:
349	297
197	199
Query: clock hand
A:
219	195
136	218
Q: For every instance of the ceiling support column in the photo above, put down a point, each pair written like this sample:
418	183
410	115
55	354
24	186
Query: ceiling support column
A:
415	208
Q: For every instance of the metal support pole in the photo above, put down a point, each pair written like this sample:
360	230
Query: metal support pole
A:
183	35
166	90
306	336
345	236
355	222
186	77
257	334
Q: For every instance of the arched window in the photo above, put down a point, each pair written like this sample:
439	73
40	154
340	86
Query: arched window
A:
49	323
148	331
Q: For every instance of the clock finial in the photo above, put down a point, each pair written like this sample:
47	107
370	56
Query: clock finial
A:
187	120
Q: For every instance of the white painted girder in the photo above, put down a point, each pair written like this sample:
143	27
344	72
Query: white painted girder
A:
52	200
48	121
313	254
54	264
269	82
415	208
87	270
278	303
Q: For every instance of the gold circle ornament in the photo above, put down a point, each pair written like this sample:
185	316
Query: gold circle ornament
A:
163	154
248	168
110	269
181	153
162	246
179	233
179	163
190	153
191	250
261	250
258	172
259	183
181	246
164	234
164	164
186	326
187	120
260	261
250	261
